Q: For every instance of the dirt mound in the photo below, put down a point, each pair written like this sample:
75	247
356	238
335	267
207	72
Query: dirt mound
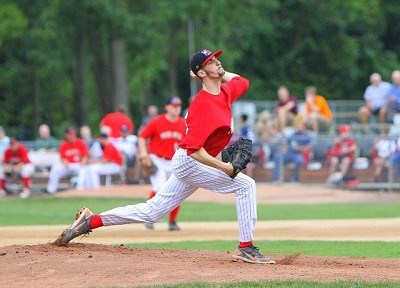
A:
88	265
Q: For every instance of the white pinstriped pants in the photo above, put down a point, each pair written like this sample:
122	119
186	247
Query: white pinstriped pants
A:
189	175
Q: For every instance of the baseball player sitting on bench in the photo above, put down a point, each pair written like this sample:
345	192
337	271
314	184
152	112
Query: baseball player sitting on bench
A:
195	164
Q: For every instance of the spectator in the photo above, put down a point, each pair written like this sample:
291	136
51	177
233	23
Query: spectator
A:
115	121
109	164
296	151
394	96
158	140
268	135
4	143
16	162
45	141
396	159
343	152
383	149
375	97
127	144
152	111
96	151
246	131
85	134
318	113
74	155
286	108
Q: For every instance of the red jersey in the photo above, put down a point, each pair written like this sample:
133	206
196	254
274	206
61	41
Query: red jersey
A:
344	143
73	152
16	157
110	153
209	119
115	121
164	135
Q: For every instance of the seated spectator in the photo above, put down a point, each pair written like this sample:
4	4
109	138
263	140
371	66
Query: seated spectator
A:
286	108
318	113
375	96
246	131
109	164
45	141
96	151
396	159
74	154
343	152
268	135
383	149
393	105
127	144
16	163
4	143
296	151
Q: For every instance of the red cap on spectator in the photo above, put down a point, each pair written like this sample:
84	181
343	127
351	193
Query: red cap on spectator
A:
344	128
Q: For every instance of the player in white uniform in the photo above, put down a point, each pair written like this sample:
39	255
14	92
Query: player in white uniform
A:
195	165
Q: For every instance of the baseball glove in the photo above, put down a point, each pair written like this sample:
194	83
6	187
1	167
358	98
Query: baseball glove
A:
8	170
238	154
148	167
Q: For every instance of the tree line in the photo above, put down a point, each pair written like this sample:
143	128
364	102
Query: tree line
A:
68	62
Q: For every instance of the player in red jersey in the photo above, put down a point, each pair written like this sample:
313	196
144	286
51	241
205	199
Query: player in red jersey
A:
16	160
195	164
110	163
115	121
161	135
74	154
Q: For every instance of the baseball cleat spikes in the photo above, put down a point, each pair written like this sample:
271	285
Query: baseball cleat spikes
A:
79	227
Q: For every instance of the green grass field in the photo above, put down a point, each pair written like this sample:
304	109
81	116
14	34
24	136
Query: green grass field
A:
50	210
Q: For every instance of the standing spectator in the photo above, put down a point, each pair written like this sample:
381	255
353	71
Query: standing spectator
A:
74	155
383	149
152	111
394	96
343	152
115	121
45	141
109	164
286	109
296	151
375	96
158	140
4	143
16	161
318	113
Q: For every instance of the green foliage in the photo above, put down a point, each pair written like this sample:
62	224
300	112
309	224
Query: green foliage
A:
56	64
37	210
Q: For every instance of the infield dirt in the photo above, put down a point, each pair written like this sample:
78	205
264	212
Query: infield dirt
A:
84	264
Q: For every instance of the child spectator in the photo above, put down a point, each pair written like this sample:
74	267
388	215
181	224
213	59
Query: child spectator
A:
383	149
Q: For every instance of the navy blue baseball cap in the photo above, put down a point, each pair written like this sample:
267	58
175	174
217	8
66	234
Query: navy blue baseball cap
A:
200	58
174	101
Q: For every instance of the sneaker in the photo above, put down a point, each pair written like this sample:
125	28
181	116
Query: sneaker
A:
25	193
79	227
251	254
149	226
172	226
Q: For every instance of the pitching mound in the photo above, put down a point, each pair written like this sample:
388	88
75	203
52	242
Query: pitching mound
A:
83	265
